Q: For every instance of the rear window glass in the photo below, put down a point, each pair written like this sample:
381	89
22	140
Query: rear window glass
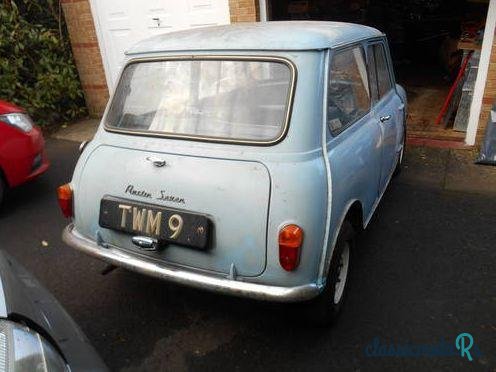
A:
244	100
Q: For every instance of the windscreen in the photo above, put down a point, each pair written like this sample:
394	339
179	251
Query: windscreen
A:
233	99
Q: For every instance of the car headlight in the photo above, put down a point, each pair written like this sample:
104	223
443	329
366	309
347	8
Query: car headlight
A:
18	120
22	349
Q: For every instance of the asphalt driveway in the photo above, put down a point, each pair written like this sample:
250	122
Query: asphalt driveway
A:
425	273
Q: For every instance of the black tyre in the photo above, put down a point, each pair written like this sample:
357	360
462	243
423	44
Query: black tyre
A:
325	309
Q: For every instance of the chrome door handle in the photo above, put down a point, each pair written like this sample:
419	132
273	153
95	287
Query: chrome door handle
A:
385	118
157	161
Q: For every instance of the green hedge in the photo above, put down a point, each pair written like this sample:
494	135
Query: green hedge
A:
37	70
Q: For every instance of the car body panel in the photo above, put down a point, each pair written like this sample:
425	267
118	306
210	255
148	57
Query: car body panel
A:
314	177
355	159
24	299
19	149
238	233
390	115
7	108
390	131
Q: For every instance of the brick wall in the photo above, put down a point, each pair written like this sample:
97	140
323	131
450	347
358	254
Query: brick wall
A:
86	54
489	95
244	11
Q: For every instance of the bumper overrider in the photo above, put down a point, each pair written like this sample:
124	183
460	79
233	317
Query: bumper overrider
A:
119	257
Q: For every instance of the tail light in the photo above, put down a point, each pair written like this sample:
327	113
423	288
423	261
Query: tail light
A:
290	240
64	195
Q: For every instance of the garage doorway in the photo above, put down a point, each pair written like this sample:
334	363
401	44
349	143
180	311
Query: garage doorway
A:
429	40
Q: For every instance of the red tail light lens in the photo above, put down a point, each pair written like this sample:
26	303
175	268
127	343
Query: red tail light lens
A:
290	240
64	195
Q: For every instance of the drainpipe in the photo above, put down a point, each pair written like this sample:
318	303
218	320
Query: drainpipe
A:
262	5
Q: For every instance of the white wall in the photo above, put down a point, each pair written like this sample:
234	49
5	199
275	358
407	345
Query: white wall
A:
480	82
121	23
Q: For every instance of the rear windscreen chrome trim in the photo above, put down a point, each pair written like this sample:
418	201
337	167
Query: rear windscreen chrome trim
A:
289	106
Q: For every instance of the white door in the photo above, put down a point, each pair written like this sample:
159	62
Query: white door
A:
121	23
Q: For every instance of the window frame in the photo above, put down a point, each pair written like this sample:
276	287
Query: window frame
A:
334	51
211	57
370	44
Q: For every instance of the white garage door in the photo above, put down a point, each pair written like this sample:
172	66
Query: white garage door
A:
121	23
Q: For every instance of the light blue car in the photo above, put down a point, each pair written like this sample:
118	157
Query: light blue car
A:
243	159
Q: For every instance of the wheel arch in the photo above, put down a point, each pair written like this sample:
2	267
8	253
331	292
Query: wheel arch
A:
354	215
353	212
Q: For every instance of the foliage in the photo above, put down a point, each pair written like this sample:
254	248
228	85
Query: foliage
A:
37	71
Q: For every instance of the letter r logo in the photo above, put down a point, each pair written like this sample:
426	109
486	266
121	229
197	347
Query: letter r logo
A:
464	342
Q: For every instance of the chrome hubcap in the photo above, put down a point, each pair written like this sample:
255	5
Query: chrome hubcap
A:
344	263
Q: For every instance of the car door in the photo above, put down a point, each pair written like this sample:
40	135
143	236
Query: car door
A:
387	107
354	152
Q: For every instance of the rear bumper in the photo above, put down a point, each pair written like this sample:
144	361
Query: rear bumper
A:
189	278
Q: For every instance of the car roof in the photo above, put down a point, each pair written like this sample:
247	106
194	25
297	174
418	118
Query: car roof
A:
281	35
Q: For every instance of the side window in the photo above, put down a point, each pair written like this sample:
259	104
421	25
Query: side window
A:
348	96
374	88
382	69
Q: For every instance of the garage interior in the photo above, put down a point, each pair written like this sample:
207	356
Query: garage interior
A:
435	46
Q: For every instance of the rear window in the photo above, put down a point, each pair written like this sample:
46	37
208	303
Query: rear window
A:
229	99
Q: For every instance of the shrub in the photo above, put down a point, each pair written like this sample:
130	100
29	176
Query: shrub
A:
37	70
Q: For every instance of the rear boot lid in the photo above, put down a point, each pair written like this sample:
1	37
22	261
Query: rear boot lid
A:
234	195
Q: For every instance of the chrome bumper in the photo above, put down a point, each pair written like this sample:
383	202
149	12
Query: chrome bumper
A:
119	257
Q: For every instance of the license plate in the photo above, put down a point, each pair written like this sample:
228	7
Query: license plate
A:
164	224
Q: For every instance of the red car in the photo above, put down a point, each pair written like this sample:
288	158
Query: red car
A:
22	148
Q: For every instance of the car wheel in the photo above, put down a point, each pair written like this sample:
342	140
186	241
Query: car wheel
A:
325	309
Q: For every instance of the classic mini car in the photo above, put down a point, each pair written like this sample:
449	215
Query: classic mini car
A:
242	159
36	333
22	154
